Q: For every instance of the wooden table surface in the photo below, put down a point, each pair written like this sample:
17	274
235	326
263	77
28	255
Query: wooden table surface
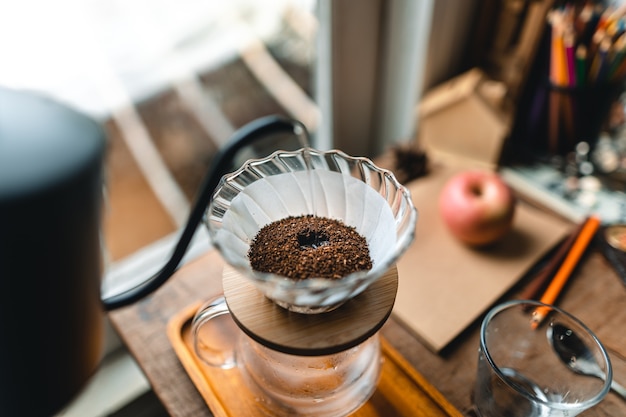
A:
594	294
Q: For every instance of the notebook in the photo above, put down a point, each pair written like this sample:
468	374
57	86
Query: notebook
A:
444	285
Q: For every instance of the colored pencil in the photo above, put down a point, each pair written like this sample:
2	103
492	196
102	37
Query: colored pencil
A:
596	40
619	52
581	65
569	45
587	49
558	75
545	274
599	66
567	267
583	18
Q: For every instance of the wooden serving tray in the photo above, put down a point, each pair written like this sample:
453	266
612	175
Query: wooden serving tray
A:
401	390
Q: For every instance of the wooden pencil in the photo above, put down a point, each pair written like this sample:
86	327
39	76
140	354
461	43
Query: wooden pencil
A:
569	42
619	52
557	75
546	273
583	18
581	65
569	263
598	63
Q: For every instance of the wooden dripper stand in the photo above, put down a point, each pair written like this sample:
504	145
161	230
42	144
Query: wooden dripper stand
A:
309	334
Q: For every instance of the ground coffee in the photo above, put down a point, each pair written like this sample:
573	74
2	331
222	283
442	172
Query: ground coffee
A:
309	246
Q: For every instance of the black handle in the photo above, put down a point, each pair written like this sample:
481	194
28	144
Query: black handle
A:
220	166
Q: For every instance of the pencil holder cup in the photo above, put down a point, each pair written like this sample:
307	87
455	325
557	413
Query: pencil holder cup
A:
560	117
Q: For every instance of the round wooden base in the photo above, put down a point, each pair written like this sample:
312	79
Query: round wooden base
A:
309	334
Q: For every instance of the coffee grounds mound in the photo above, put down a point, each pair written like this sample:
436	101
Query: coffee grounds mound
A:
301	247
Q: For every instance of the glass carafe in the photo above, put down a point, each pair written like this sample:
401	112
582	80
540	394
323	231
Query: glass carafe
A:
285	384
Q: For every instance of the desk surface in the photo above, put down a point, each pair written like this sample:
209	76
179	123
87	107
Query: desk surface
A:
594	294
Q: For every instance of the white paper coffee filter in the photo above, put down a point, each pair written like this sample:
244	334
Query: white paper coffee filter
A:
335	195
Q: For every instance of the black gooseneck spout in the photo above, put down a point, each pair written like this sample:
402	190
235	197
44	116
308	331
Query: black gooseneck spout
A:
220	166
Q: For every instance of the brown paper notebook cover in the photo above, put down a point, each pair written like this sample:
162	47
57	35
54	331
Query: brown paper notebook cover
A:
444	285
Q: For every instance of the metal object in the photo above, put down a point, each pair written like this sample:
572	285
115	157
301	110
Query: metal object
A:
576	355
616	236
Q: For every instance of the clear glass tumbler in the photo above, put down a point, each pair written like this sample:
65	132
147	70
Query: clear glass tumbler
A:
520	373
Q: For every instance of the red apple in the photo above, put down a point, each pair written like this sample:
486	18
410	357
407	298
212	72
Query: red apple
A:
477	206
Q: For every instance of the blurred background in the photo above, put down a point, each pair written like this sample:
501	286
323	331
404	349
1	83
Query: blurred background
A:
171	81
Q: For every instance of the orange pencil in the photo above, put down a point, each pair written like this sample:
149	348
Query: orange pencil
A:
606	18
558	77
564	272
546	273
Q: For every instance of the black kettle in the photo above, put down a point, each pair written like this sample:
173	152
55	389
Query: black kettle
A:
51	311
